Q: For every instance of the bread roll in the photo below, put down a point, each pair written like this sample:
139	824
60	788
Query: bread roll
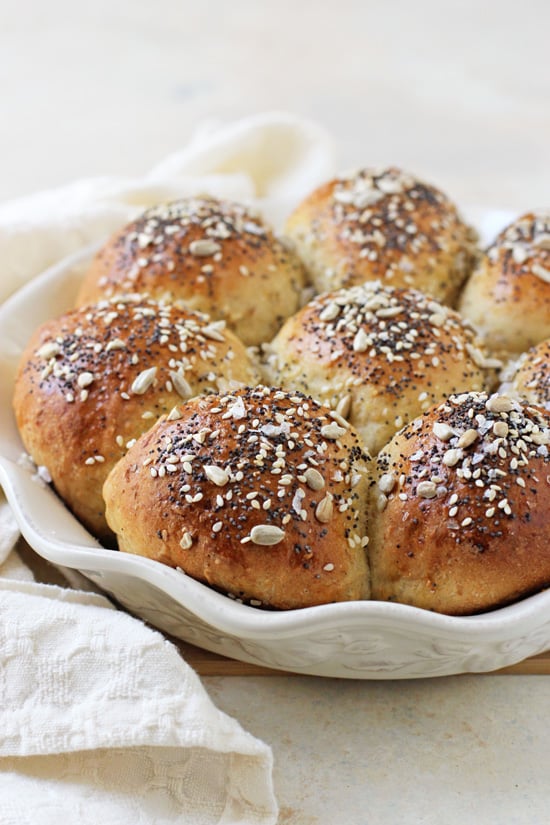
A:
459	518
378	355
508	295
383	225
259	493
213	256
92	381
531	379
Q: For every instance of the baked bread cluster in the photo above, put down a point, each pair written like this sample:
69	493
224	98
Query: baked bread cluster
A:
359	409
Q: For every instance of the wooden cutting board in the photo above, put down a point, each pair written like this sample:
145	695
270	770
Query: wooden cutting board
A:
212	664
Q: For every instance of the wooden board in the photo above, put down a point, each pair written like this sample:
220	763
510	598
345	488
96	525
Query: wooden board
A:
212	664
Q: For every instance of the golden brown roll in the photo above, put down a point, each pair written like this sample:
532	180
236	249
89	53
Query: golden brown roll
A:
92	381
459	520
214	256
531	378
259	493
383	225
508	295
378	355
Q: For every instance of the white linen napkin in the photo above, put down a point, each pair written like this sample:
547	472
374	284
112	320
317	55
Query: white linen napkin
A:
100	718
270	161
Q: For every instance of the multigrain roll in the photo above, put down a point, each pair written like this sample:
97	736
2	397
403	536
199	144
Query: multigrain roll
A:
383	225
213	256
378	355
508	295
459	520
531	377
258	493
92	381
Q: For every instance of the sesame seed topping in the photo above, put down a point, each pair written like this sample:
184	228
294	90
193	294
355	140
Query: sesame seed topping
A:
493	474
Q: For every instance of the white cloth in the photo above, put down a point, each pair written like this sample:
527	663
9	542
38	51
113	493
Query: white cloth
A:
100	718
269	160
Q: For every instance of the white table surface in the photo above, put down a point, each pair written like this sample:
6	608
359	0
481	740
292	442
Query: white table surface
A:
456	92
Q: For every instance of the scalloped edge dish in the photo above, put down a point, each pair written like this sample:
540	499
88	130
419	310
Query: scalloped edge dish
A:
356	640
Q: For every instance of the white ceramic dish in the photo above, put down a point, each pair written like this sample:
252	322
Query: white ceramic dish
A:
360	640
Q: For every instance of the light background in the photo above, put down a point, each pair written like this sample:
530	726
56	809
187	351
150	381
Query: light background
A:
457	92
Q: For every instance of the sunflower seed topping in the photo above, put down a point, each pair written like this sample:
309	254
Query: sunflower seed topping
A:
186	541
143	381
387	482
49	350
467	438
332	431
499	403
426	489
442	431
217	475
266	534
204	247
323	511
181	385
314	479
85	379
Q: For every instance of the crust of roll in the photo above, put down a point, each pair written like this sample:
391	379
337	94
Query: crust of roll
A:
459	510
507	297
213	256
383	225
92	381
259	494
378	355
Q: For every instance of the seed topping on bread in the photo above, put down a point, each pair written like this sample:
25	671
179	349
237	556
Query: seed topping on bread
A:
286	459
486	447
